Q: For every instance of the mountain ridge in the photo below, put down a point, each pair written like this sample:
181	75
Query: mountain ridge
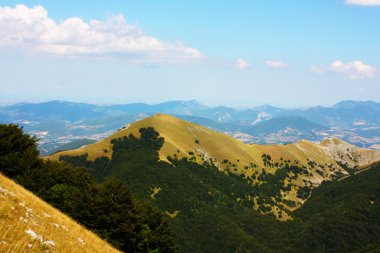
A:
199	144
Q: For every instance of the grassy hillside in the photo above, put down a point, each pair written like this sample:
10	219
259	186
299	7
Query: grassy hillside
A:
28	224
211	210
198	199
307	164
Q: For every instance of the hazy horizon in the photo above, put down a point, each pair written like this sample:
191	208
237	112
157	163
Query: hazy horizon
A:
237	107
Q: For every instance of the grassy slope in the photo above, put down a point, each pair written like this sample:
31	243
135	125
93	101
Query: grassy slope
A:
21	211
181	136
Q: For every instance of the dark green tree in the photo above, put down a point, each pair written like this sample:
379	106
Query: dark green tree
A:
18	151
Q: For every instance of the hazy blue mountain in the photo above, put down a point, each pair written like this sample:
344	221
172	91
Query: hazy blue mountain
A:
357	122
70	145
345	113
51	110
219	126
282	123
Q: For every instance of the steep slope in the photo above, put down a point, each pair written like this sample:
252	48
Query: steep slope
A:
28	224
297	168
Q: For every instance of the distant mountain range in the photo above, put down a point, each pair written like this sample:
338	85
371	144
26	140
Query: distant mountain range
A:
58	122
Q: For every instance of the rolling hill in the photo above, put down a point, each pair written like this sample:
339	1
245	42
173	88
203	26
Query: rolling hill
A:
28	224
295	168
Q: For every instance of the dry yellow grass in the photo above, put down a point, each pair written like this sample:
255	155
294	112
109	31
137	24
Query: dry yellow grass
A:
28	224
182	137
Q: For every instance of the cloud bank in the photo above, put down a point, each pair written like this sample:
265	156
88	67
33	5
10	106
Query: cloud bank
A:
354	70
241	64
32	31
363	2
275	64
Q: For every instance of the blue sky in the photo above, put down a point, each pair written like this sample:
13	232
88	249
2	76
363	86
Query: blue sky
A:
239	53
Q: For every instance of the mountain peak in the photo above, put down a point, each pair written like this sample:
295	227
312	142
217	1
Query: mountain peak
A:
163	117
348	104
332	140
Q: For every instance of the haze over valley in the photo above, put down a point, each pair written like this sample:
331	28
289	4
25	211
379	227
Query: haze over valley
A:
58	123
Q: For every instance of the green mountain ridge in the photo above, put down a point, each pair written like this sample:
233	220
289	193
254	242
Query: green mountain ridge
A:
211	213
286	173
210	208
201	197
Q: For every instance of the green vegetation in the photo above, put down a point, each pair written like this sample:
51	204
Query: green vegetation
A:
18	151
304	192
213	209
209	210
108	208
205	197
343	216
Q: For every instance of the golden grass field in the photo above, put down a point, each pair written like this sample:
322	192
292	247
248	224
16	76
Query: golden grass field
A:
28	224
182	137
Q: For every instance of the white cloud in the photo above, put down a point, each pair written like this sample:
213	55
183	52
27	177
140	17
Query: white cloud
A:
317	70
241	64
353	70
32	31
275	64
363	2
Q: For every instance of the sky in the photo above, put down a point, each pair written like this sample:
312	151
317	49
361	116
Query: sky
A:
238	53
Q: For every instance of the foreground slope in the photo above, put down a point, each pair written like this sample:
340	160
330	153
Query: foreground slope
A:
307	163
28	224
